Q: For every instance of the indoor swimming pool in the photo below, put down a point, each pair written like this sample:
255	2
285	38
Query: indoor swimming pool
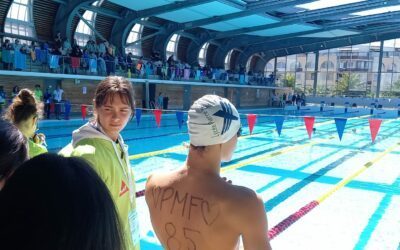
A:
319	193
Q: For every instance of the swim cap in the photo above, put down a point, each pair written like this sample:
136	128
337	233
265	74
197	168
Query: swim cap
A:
212	120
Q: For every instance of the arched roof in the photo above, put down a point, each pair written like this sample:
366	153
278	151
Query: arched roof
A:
269	27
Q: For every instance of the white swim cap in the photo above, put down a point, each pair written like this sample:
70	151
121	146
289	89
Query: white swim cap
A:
212	120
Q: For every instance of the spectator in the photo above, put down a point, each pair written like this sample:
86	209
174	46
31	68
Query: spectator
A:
100	143
15	91
76	54
160	100
19	55
129	61
3	99
165	102
62	204
38	93
13	151
24	113
66	59
47	101
57	97
110	60
198	209
294	98
6	55
102	48
58	41
91	46
303	99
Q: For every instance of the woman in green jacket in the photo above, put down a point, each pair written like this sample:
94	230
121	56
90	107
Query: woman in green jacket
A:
100	143
24	113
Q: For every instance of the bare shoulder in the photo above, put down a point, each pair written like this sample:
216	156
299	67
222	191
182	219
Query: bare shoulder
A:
243	203
244	195
161	179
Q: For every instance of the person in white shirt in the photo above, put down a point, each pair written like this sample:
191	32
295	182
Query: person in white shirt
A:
57	96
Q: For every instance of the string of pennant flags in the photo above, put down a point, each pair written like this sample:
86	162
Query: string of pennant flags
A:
374	124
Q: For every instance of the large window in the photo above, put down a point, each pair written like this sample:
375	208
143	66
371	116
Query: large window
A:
203	55
172	46
134	35
83	32
345	71
227	60
19	19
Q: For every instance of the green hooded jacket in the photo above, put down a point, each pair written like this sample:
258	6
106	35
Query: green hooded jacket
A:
111	161
35	149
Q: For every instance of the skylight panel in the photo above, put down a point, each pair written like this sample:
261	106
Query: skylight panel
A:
378	11
326	3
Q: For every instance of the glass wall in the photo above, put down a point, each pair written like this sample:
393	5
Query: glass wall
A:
172	47
19	20
134	46
83	32
345	71
227	60
203	54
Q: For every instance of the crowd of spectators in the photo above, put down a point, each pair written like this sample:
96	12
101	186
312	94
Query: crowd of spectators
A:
102	58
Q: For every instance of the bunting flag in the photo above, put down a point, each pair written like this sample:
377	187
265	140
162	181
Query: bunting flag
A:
309	122
279	123
138	114
157	114
340	124
251	120
83	111
179	117
374	125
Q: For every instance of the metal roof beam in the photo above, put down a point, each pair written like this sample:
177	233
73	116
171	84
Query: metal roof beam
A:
91	27
233	4
278	46
190	36
251	8
361	39
308	16
169	8
339	24
149	24
103	11
60	2
144	38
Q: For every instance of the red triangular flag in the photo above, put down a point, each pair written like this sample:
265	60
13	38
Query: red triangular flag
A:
374	125
251	120
157	114
309	122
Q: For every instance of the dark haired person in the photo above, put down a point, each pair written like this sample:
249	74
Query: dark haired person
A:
38	93
100	143
24	113
6	54
55	203
57	97
13	151
193	207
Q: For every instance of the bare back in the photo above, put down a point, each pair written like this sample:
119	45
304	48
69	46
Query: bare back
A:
204	212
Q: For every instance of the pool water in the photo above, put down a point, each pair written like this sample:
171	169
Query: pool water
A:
319	193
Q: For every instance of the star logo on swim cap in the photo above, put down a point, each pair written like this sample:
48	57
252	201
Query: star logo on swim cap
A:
226	113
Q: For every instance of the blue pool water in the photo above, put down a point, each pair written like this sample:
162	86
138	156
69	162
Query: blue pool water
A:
356	182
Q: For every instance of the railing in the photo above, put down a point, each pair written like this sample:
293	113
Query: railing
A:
40	60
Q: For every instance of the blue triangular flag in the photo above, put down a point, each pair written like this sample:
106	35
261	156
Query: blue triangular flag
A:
340	124
279	123
179	117
138	113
